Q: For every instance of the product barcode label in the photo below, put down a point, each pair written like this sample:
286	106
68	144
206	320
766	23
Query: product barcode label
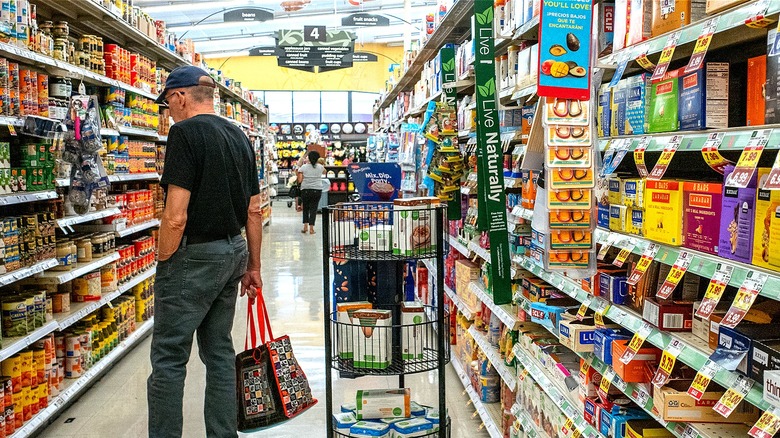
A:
672	321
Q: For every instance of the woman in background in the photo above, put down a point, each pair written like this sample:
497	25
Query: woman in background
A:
310	179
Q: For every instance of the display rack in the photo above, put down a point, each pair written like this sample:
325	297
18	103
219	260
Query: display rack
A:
341	244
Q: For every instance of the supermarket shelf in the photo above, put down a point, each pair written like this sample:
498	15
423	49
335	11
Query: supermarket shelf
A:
734	139
29	271
76	387
106	132
730	30
22	198
530	428
139	132
122	177
522	212
138	228
66	222
524	92
507	374
80	310
16	122
461	248
138	279
63	182
504	312
550	386
79	269
483	253
487	412
528	30
430	264
454	26
692	355
12	346
463	86
459	304
162	138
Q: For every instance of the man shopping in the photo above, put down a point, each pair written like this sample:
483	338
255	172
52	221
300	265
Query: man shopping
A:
212	193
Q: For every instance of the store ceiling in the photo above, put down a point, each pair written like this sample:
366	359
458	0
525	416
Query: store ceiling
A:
201	20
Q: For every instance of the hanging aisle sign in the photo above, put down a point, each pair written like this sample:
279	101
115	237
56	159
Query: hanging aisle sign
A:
564	49
490	154
450	97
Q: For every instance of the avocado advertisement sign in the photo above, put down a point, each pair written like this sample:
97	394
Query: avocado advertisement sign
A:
492	199
564	49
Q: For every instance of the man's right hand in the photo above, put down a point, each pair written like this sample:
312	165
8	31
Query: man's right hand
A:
251	284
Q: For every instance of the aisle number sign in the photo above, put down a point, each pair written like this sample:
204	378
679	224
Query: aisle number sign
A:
733	396
636	342
702	380
748	160
666	57
489	158
666	365
746	296
639	156
715	290
712	156
675	275
666	158
766	426
702	44
644	262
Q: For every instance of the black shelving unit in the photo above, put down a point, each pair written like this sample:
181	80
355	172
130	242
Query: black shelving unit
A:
340	242
335	197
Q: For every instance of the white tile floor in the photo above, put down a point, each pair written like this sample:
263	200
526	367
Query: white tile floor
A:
116	406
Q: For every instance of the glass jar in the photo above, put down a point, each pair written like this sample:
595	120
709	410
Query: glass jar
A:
60	29
60	51
85	250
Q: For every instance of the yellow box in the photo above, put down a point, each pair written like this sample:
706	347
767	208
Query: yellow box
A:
767	202
632	192
614	196
721	5
646	429
617	217
663	202
635	219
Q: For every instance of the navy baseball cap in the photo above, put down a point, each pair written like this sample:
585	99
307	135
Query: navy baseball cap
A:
186	76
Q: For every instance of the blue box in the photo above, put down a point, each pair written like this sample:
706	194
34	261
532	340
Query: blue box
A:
613	423
613	287
603	216
589	413
602	343
636	89
735	345
619	101
549	313
693	101
605	111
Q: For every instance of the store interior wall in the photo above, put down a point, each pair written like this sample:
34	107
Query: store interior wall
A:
263	73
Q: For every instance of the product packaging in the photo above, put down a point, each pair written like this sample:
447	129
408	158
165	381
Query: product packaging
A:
767	202
383	403
674	404
413	332
636	370
684	12
737	218
349	328
663	204
714	6
635	109
756	80
772	87
374	341
662	112
702	213
704	97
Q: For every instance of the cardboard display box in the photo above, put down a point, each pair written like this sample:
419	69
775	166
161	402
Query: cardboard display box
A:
674	404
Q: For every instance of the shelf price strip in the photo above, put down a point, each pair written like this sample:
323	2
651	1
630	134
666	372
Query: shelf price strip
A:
675	275
733	396
639	156
636	342
712	157
748	160
744	299
644	262
666	158
668	359
666	57
766	426
715	290
702	380
702	44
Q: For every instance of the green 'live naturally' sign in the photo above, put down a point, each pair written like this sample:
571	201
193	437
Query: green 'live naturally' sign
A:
450	97
492	199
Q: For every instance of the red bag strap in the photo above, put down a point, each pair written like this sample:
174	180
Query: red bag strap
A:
258	325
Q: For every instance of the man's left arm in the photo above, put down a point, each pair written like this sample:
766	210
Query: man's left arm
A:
174	221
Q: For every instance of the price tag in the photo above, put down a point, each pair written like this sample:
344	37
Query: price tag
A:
620	148
766	426
759	20
600	312
702	44
667	7
568	427
636	342
666	57
619	317
745	297
644	61
715	290
606	382
639	156
675	275
576	433
733	396
12	130
584	307
666	157
772	182
702	380
584	368
642	397
748	160
666	365
605	247
621	69
689	432
625	251
644	262
712	156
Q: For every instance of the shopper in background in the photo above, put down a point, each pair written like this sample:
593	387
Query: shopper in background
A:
310	179
212	193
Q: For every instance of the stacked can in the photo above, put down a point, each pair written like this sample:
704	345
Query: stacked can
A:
144	300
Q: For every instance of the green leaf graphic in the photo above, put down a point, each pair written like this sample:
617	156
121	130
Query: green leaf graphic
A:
491	84
449	65
483	90
481	19
488	14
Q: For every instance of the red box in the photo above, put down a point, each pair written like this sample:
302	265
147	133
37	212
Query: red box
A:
672	316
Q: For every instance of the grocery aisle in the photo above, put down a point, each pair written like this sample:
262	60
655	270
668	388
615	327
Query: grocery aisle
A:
116	405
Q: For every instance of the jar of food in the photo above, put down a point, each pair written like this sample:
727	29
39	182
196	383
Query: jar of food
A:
74	252
60	88
85	250
46	27
60	29
63	256
97	248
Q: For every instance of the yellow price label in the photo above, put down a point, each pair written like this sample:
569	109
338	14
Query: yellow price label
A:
702	380
599	319
568	426
766	426
702	44
576	433
636	342
621	258
12	130
639	157
584	368
750	157
666	55
645	62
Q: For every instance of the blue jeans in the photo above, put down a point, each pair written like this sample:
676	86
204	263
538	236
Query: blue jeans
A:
196	291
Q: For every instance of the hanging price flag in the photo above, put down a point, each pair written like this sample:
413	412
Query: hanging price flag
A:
620	148
584	307
712	156
666	57
636	342
606	382
605	247
766	426
12	130
568	427
746	295
720	279
666	157
642	397
639	156
759	20
733	396
643	60
689	432
584	368
675	275
644	262
666	365
601	310
702	44
748	160
702	380
622	256
772	182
